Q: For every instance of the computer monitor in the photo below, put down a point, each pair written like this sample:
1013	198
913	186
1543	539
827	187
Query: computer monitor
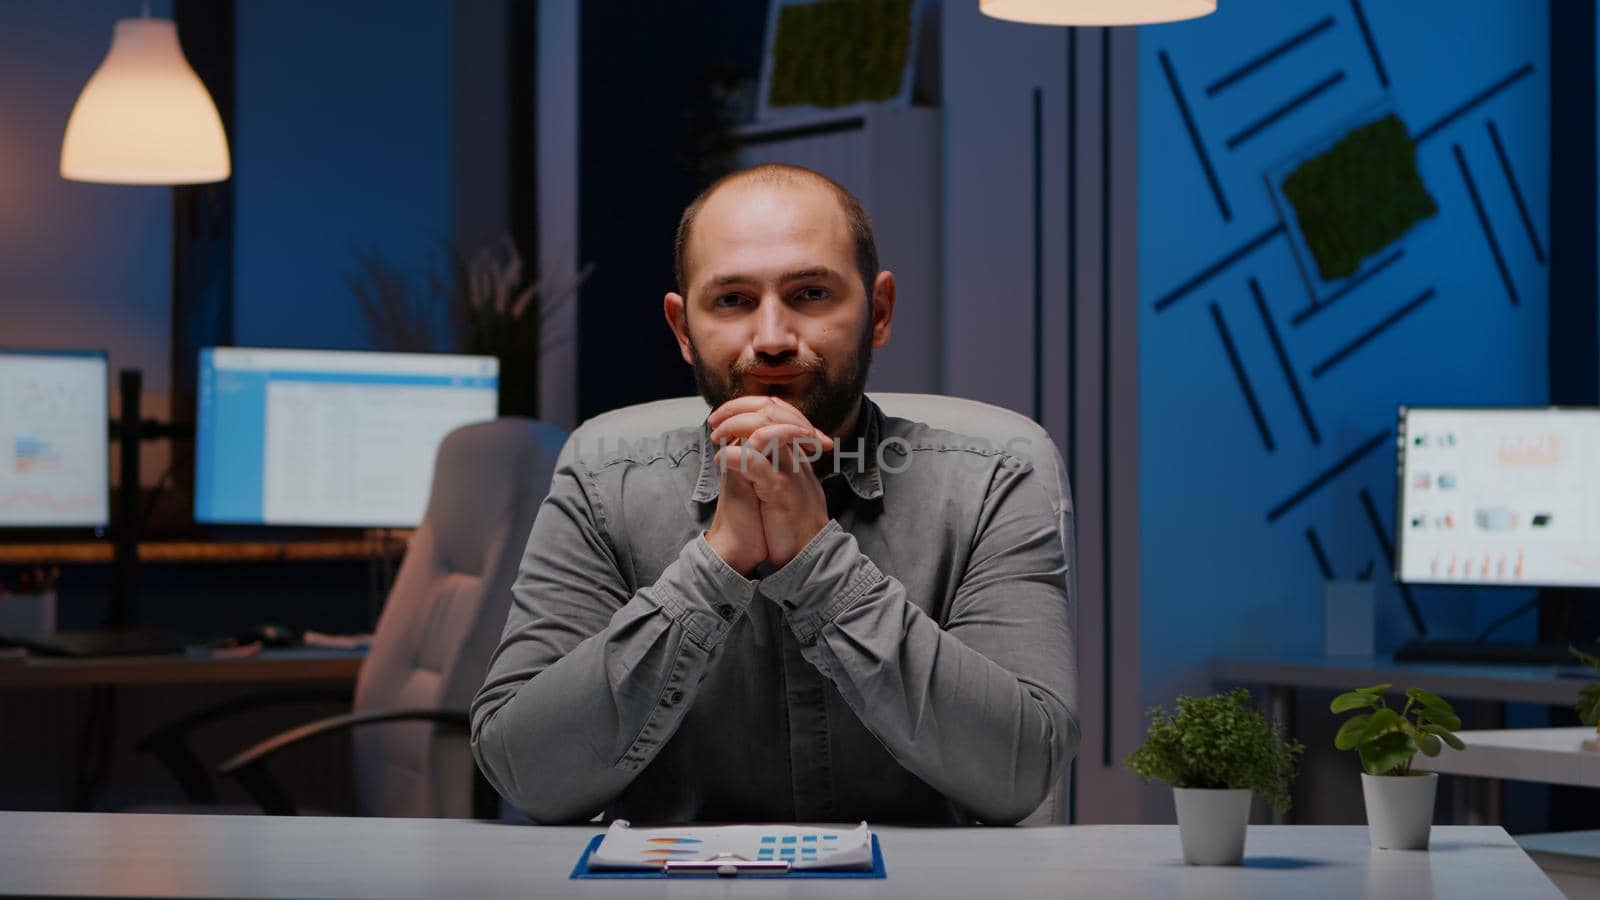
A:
54	440
1499	497
329	438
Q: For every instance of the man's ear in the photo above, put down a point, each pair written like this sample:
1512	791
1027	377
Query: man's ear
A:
882	308
677	319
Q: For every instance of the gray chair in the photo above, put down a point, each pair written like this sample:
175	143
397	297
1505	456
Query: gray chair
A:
994	425
440	624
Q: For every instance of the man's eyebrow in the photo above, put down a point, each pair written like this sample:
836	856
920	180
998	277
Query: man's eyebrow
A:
725	280
813	272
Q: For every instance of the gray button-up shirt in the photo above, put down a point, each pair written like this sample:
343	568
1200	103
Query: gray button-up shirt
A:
914	663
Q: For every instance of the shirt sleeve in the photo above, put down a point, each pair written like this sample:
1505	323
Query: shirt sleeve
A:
589	681
982	708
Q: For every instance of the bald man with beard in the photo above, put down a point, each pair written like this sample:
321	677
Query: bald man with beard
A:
798	609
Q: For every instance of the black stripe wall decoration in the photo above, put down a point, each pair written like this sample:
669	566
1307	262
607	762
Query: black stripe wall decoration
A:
1194	138
1516	193
1488	230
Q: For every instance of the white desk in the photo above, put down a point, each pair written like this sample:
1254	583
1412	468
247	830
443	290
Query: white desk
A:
1549	755
100	854
1490	687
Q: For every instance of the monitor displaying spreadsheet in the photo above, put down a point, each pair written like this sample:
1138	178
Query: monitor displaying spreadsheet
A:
55	437
1507	496
329	438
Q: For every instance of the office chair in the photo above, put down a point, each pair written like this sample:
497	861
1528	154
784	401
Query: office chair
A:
432	644
994	424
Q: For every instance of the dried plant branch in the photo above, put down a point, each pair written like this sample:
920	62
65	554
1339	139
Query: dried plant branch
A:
483	304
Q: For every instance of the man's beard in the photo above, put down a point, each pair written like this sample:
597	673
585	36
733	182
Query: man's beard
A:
826	405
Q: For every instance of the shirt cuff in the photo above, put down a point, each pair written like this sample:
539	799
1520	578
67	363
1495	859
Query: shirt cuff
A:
703	594
828	576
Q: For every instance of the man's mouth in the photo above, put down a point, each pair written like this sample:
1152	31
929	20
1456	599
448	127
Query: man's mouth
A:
776	376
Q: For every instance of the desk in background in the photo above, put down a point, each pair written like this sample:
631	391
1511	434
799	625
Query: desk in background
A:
390	542
1492	684
71	740
1545	755
1548	756
104	854
1489	687
79	720
285	666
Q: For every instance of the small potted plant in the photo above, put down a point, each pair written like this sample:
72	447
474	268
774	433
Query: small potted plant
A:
1399	800
1215	753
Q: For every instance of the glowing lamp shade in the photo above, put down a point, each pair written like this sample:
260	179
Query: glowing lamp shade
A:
144	117
1096	12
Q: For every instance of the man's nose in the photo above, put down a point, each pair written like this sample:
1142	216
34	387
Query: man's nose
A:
774	333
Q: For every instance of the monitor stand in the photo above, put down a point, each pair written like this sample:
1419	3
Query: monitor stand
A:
1564	614
1569	612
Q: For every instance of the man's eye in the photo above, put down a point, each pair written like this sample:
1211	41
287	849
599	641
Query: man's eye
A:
815	294
728	301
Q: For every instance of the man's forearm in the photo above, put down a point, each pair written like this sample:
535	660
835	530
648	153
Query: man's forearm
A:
561	732
993	738
989	740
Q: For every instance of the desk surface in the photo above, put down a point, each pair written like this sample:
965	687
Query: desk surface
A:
100	854
81	552
272	666
1461	681
1548	755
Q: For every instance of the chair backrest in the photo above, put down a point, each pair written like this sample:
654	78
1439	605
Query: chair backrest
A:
991	424
444	615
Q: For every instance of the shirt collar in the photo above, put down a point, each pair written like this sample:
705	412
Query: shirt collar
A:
860	470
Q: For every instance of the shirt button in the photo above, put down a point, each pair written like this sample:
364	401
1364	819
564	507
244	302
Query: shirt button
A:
726	611
675	698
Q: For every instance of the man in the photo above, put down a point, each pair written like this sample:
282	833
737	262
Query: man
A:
799	609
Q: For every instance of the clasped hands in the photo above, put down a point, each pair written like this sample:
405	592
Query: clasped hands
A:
771	503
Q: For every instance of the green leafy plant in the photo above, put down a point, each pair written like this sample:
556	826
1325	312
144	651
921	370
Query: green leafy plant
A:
1218	742
1358	196
1588	705
1388	741
837	52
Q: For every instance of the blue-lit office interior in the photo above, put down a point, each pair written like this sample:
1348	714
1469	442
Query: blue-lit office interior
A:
381	380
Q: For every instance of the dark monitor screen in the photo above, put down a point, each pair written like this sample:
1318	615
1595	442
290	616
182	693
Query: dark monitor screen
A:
54	440
1506	497
326	437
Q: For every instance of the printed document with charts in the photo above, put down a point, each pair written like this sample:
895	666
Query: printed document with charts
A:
801	847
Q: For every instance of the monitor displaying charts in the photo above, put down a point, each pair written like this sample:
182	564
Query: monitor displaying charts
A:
54	439
329	438
1499	496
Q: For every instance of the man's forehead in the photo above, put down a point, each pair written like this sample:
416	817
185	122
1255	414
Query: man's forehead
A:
756	215
800	202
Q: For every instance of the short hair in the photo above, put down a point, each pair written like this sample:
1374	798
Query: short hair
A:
855	217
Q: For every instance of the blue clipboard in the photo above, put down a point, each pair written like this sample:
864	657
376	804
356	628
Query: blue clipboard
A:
582	870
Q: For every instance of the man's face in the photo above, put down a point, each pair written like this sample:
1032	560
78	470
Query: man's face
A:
776	305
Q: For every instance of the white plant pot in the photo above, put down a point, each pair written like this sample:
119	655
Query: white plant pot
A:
1212	824
1400	809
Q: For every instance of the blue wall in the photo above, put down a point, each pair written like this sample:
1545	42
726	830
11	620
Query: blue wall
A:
344	142
81	265
1228	565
